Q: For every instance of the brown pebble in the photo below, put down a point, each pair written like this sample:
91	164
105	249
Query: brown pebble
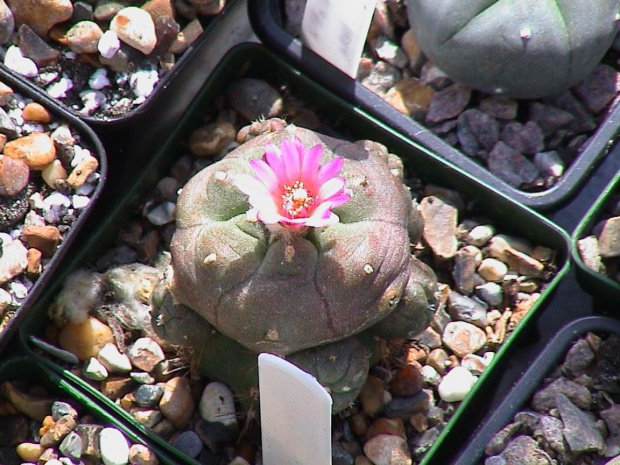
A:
419	421
29	451
85	339
14	175
34	407
407	381
359	423
117	387
177	403
393	426
212	138
362	460
139	454
372	395
34	261
61	427
34	111
37	150
6	94
81	172
43	238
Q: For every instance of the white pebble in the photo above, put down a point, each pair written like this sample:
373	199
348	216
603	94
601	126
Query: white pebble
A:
162	214
113	359
491	293
99	79
217	404
56	199
492	269
142	84
16	115
85	189
480	235
455	386
48	77
79	202
15	61
80	155
430	375
113	447
60	88
108	44
18	289
94	369
91	100
5	300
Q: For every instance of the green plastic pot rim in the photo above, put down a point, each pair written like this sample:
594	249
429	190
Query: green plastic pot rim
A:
588	277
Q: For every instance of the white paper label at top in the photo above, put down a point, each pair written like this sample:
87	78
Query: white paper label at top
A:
295	415
337	30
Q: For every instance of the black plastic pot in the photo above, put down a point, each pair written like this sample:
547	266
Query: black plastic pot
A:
602	287
188	73
251	60
266	18
90	140
523	390
27	369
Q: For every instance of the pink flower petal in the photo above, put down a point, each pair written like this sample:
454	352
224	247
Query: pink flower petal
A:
273	158
329	170
339	199
266	175
249	185
310	165
330	188
290	160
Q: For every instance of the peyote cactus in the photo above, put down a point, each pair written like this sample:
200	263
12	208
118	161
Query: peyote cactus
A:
262	259
519	48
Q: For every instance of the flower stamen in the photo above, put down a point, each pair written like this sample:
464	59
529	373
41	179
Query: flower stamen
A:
296	199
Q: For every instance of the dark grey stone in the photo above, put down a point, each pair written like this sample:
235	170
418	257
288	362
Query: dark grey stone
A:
578	358
524	138
483	127
464	308
148	395
511	166
549	118
72	446
404	407
524	450
60	409
580	431
448	103
189	443
551	430
598	89
544	399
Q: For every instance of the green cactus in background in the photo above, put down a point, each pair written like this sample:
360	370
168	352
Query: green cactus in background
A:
519	48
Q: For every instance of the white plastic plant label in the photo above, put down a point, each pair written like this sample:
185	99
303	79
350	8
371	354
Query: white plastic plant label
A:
337	29
295	414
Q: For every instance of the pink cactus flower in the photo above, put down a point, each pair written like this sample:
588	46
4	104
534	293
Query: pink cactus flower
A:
292	189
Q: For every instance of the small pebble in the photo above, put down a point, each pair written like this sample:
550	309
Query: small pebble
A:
455	386
114	447
217	404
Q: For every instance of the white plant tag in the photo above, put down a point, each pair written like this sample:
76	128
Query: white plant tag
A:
337	30
295	414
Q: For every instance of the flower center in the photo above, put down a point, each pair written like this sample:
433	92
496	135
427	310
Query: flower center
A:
296	199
